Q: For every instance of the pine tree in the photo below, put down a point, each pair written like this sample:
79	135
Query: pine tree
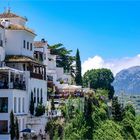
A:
16	129
78	78
12	126
32	104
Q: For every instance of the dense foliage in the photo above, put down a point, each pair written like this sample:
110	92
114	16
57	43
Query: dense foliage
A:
95	121
99	78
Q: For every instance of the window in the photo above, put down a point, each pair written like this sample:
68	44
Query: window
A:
41	100
24	44
34	95
3	126
24	67
22	104
27	45
3	105
15	104
31	47
38	95
19	105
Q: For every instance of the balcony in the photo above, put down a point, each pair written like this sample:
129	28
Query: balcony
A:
12	79
12	85
36	75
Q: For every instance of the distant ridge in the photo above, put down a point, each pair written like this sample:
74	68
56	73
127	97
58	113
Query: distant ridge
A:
128	81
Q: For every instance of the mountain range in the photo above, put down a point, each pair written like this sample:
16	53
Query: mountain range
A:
128	81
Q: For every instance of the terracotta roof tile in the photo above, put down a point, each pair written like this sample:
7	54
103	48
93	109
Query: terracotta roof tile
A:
10	15
20	58
39	44
19	27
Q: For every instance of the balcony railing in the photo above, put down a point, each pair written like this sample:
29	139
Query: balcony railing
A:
12	85
37	76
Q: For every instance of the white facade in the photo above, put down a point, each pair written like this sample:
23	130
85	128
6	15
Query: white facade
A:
19	42
2	44
39	89
18	106
51	61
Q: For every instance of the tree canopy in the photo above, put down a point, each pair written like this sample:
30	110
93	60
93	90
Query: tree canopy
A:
99	78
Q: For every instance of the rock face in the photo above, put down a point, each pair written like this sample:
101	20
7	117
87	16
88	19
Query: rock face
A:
128	81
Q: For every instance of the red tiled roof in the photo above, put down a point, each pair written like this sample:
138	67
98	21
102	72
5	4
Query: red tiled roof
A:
39	44
10	15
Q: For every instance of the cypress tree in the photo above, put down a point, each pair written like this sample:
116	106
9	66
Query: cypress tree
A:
31	105
12	126
16	129
52	104
88	117
117	110
78	78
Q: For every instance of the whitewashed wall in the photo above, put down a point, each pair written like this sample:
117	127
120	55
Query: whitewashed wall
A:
14	42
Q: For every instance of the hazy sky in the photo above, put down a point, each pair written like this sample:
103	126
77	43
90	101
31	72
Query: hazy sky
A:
109	29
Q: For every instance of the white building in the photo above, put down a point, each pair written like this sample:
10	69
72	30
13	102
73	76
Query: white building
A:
22	69
56	75
59	81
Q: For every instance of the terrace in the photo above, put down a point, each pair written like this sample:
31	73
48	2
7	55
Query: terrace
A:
36	68
12	79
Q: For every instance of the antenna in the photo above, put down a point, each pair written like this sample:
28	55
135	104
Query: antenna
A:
4	9
9	8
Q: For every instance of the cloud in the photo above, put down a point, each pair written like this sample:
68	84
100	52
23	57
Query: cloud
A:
115	65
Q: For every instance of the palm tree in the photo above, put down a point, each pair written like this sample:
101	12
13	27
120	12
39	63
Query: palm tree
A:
64	58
